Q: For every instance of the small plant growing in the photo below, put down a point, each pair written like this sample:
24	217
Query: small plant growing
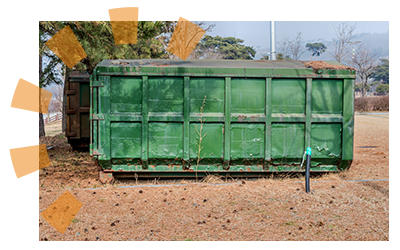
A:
199	132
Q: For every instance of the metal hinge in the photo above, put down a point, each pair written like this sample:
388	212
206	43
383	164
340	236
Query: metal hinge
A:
96	117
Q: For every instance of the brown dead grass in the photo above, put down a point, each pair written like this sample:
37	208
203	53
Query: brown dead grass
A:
53	128
253	209
370	163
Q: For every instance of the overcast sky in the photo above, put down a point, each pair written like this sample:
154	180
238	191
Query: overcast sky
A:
256	33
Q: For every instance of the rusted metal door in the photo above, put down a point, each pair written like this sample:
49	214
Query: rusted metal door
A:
78	107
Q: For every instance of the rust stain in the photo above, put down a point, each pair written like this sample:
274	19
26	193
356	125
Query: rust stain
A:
255	118
241	118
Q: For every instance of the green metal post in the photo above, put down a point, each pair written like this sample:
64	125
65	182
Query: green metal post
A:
186	123
145	121
104	123
227	128
268	116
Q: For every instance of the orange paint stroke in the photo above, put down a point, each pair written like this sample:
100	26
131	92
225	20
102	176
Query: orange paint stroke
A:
27	160
124	14
185	38
27	96
124	23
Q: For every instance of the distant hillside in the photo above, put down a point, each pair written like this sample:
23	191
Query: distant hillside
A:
378	42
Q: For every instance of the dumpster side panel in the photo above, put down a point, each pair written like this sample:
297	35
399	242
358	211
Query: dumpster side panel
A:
288	96
348	124
326	144
247	96
166	95
165	141
158	120
287	142
327	96
210	88
126	95
212	145
126	140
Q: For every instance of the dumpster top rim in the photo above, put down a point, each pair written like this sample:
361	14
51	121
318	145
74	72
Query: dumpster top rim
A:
77	74
173	63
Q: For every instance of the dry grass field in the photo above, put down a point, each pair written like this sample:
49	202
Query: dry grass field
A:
271	208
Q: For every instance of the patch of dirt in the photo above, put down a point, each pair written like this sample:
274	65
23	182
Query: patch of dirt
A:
69	168
247	210
317	65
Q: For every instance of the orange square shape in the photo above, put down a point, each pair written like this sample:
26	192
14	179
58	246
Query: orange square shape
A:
185	38
67	47
124	32
61	212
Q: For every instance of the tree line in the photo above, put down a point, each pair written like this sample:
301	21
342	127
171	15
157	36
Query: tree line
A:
97	40
346	51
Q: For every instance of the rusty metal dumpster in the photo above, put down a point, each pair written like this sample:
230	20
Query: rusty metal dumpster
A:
176	118
77	96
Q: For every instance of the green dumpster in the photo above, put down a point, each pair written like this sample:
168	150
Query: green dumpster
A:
173	118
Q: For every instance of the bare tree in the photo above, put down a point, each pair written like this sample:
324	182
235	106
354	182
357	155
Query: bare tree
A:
57	89
207	53
363	61
264	56
284	47
55	106
342	41
293	47
58	92
296	47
